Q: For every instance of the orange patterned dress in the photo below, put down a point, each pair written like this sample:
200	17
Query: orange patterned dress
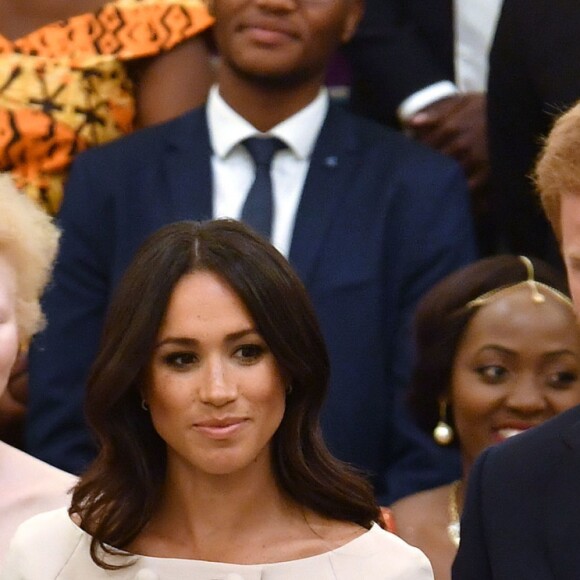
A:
64	87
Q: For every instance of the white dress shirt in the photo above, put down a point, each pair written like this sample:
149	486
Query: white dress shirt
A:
233	168
475	22
474	28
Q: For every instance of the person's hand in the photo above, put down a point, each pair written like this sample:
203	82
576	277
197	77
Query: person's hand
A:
456	126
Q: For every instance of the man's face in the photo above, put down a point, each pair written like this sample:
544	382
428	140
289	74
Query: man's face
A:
282	42
570	222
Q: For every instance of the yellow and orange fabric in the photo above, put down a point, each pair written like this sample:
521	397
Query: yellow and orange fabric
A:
64	87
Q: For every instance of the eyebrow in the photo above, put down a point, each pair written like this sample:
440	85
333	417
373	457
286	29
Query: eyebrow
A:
186	341
496	347
548	354
563	351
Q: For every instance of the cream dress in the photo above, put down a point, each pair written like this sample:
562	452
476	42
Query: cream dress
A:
51	546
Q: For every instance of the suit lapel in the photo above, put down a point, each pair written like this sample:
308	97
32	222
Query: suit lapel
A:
187	167
324	189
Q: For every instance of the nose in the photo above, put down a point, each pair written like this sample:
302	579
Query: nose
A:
216	389
526	397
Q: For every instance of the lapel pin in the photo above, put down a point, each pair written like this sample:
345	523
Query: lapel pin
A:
331	161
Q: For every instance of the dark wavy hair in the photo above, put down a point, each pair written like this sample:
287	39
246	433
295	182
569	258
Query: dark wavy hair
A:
442	318
118	494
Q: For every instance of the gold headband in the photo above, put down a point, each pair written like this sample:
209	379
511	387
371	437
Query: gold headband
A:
530	282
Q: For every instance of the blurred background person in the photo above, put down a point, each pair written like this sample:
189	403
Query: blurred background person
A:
28	243
498	352
74	75
422	66
205	398
77	74
533	77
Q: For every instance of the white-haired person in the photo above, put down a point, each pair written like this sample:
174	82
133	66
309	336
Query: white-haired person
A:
28	244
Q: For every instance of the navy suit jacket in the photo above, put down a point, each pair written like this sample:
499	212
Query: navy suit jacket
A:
400	47
522	513
381	219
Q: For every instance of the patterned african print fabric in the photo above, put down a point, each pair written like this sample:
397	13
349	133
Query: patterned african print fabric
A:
64	87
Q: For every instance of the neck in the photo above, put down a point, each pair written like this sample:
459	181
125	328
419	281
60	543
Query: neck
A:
263	105
200	515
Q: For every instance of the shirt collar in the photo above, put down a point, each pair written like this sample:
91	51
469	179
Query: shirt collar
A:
300	131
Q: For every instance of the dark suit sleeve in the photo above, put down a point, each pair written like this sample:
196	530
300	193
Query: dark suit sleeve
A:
520	517
436	202
74	306
472	561
392	58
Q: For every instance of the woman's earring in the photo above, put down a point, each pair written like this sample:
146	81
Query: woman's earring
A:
443	432
144	405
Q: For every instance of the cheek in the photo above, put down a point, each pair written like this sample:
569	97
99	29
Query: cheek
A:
277	404
564	400
169	410
271	399
470	402
271	394
171	395
273	414
466	410
472	420
166	393
8	351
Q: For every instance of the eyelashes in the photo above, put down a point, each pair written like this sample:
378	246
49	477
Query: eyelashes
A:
245	354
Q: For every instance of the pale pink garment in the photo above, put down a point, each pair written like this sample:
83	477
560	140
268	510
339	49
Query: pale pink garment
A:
28	486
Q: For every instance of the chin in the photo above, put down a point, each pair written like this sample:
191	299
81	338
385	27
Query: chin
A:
224	469
274	76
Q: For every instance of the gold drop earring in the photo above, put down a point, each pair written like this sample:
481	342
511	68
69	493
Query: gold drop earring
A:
443	432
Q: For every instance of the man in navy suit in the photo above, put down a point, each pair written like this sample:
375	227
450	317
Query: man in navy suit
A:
522	512
369	220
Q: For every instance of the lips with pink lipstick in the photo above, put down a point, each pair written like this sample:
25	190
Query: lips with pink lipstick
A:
220	428
507	431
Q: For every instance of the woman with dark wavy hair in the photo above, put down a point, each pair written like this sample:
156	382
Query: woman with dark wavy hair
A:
205	400
498	352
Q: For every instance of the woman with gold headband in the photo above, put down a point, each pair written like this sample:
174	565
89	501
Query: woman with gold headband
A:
498	352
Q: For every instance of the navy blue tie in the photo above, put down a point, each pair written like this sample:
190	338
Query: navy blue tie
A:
258	210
